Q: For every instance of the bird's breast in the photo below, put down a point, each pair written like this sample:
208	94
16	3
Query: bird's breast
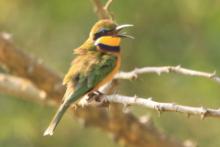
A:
111	75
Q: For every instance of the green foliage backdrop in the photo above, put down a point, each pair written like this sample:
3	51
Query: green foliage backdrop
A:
167	32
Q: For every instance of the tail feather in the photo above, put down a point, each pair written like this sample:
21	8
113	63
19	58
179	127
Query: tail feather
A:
56	119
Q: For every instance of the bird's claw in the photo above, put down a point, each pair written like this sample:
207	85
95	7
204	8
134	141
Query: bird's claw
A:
96	97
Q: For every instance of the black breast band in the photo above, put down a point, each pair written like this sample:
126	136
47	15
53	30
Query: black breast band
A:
109	48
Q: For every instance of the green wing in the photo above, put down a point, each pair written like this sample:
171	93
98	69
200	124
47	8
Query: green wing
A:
84	82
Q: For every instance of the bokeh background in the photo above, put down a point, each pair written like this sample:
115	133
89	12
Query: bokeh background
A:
167	32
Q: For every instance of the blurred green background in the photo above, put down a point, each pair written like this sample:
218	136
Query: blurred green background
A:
170	32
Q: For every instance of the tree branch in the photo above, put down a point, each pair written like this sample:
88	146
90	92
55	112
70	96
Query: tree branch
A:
108	4
167	69
23	65
162	107
23	88
125	128
102	11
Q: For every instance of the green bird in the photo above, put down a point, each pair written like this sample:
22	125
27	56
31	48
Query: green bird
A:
97	61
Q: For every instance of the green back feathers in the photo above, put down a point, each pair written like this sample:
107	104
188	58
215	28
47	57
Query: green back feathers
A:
87	71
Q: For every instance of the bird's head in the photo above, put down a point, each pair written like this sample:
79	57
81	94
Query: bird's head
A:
106	35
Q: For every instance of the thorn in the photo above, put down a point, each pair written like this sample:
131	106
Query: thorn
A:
178	67
125	108
203	113
167	69
212	75
150	99
202	116
134	76
135	98
135	69
174	105
159	110
159	72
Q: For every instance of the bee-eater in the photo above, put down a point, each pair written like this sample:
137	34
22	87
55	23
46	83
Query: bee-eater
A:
97	61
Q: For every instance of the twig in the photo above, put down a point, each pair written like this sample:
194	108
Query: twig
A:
108	4
161	107
102	11
167	69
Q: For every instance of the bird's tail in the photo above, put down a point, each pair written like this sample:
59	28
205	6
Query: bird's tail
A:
56	119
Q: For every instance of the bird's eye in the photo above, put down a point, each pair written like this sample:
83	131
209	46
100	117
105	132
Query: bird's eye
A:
103	31
100	33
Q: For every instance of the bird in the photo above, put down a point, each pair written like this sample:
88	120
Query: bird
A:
97	60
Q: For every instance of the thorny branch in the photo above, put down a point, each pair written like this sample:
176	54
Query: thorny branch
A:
167	69
163	107
126	128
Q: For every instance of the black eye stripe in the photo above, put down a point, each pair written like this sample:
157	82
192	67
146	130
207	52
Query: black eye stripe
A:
102	32
97	35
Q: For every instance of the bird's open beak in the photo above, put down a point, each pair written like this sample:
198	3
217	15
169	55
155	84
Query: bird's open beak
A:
119	28
123	34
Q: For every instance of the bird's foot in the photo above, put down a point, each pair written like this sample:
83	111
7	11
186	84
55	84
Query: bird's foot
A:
97	98
94	95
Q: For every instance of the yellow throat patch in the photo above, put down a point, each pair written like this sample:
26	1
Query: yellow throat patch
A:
109	41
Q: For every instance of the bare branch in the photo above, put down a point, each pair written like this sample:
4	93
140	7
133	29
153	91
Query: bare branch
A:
161	107
25	66
167	69
20	87
102	11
